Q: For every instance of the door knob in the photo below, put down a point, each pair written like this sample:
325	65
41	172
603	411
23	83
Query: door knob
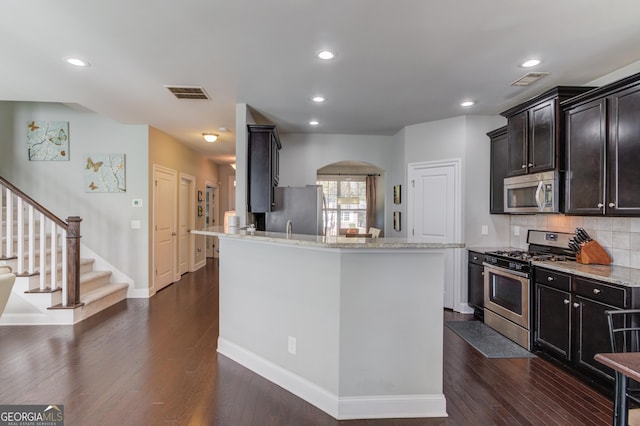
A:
550	278
173	234
566	301
530	164
600	205
524	166
612	204
576	305
596	291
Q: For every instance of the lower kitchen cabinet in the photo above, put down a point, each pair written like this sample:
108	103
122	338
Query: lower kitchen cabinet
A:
570	320
553	320
592	335
475	283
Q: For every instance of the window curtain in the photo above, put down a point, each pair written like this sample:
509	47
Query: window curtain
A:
371	201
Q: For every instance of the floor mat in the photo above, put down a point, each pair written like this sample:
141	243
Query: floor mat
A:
488	341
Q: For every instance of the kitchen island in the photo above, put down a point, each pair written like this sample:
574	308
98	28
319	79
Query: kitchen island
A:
353	326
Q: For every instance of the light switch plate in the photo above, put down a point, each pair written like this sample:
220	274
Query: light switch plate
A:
135	224
485	230
516	231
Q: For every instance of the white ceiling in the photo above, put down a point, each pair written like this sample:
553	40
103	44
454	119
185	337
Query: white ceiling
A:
399	62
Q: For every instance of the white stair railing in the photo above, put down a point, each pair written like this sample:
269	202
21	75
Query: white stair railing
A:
26	239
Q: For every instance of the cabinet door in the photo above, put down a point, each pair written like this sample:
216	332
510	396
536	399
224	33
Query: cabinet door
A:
553	320
259	188
498	167
517	144
585	151
542	138
476	285
592	335
623	195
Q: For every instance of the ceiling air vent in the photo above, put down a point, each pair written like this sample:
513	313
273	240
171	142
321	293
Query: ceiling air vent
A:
188	92
529	78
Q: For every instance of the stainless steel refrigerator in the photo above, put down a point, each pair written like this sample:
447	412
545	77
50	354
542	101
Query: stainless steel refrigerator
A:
303	206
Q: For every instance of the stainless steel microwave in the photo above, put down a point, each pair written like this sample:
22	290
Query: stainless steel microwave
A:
534	193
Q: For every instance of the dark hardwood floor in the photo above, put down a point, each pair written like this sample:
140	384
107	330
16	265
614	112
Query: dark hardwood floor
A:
152	362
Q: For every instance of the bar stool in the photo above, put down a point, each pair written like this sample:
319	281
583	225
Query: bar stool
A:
624	334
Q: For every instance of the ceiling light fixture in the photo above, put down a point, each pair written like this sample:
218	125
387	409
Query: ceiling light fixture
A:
318	99
314	122
78	62
530	63
326	54
467	103
210	137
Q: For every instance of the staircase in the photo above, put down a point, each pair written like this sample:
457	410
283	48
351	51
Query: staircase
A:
53	285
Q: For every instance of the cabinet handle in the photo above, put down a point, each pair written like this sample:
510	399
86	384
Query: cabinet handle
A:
576	305
566	301
475	257
596	291
612	204
524	166
550	279
600	205
530	164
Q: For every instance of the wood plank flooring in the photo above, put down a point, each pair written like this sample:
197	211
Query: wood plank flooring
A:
154	362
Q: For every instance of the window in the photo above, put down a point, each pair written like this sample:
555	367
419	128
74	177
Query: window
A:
346	203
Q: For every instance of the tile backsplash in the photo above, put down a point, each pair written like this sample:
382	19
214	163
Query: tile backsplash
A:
620	236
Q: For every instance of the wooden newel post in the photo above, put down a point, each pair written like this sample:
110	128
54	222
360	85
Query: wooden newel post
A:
73	260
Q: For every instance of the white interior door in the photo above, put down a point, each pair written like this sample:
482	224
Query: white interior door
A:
184	215
433	216
164	220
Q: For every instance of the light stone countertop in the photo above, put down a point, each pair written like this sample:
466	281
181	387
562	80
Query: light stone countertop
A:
614	274
322	241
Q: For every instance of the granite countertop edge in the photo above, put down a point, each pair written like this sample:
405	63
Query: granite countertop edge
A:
324	242
614	274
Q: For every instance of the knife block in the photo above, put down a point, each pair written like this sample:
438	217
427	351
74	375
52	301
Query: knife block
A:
592	253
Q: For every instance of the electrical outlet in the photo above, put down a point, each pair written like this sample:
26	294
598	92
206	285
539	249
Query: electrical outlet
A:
291	347
485	230
516	231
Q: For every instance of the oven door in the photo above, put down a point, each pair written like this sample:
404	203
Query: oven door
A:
506	293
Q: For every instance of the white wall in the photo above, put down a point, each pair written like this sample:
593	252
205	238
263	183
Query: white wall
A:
303	154
58	185
243	117
465	138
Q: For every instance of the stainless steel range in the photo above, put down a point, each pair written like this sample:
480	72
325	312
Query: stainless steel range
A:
508	293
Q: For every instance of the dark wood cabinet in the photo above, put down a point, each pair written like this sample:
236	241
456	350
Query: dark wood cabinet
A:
498	168
603	150
570	320
533	131
263	167
475	283
553	313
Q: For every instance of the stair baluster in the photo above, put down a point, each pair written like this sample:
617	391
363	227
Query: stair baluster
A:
69	232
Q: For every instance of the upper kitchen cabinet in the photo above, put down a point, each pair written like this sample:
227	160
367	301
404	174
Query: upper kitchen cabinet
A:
263	166
533	131
603	150
499	151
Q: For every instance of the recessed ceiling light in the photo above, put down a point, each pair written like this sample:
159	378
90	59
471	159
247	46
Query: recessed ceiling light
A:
78	62
314	122
317	99
326	54
467	103
530	63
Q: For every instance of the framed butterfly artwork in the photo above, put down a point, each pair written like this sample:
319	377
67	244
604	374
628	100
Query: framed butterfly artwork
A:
48	140
104	173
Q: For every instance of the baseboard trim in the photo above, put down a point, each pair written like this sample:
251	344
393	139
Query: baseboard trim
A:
365	407
138	293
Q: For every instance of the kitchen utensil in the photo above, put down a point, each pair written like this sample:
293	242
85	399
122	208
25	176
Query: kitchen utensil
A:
584	236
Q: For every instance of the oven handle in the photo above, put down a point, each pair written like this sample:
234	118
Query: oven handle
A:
505	270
